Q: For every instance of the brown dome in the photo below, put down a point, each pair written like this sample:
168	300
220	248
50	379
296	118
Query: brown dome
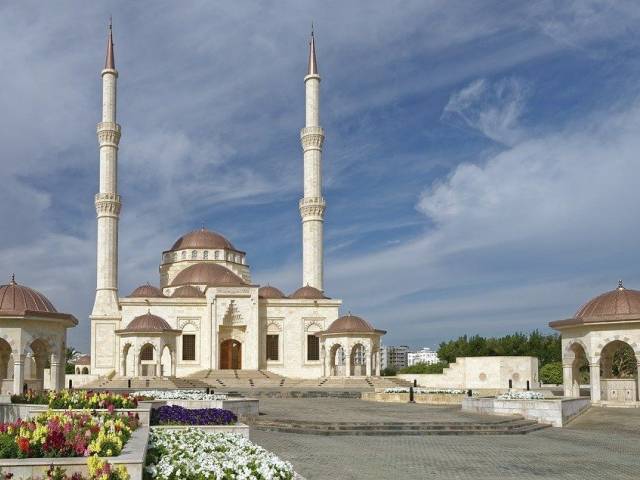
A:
187	291
308	293
351	324
202	238
270	292
210	274
617	305
19	299
146	291
147	323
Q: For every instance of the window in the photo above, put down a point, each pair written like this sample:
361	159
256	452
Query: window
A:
205	255
194	254
217	254
188	347
313	347
358	355
184	254
146	353
272	347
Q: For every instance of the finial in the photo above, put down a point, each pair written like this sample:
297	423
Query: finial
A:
202	226
620	285
13	279
313	64
109	62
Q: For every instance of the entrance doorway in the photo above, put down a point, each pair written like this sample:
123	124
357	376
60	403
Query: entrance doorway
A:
231	355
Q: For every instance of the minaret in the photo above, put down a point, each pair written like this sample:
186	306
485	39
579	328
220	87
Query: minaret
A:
312	205
107	201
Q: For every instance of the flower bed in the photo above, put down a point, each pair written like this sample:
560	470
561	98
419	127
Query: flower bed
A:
98	470
180	395
421	391
193	454
176	415
66	434
511	395
79	399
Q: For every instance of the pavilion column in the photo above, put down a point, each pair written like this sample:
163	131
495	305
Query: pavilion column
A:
594	370
347	361
638	382
367	362
18	373
55	372
123	366
173	362
159	372
136	365
567	379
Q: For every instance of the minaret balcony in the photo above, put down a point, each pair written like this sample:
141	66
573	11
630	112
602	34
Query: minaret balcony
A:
312	138
312	207
108	133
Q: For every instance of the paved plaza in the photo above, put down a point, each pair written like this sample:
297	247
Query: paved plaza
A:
601	444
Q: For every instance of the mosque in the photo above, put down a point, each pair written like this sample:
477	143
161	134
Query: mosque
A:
206	314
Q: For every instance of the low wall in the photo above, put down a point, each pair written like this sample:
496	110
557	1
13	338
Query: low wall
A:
428	398
10	412
132	457
238	428
556	412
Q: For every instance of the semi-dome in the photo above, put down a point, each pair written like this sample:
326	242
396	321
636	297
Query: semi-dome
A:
146	291
188	291
270	292
352	324
19	299
148	323
202	238
308	293
210	274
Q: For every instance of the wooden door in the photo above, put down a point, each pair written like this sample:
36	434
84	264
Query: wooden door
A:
231	355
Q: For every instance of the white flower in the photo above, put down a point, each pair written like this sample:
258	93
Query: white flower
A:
417	390
181	395
511	395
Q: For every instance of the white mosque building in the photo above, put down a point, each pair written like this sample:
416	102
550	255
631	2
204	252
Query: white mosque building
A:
206	314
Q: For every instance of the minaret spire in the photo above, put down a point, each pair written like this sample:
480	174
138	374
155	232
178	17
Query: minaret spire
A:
312	205
107	200
109	62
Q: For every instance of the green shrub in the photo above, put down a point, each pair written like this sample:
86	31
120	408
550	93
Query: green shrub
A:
425	368
388	372
551	373
8	446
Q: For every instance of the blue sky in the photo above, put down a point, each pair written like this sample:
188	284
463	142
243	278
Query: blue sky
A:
480	167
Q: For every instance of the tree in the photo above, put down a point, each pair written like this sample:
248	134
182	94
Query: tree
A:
551	373
425	368
388	372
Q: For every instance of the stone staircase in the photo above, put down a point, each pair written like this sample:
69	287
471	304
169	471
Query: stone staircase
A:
511	426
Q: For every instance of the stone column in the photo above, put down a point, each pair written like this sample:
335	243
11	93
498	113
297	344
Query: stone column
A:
594	370
18	373
159	372
367	361
638	382
55	372
347	361
567	379
136	365
173	362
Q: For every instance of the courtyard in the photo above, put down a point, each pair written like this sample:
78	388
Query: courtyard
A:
603	443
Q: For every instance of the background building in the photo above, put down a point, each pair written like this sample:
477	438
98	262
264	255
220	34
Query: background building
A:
394	357
424	355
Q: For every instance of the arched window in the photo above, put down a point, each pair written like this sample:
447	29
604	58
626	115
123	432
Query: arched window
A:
194	255
217	254
85	371
205	255
184	254
358	354
147	352
339	360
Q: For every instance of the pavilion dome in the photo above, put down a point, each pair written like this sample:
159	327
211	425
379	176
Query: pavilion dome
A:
148	323
202	238
210	274
619	304
19	299
270	292
351	324
146	291
187	291
308	293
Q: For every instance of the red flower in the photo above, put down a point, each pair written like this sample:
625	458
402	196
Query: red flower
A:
23	444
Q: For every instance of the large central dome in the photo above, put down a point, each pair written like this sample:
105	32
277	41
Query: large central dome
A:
202	238
210	274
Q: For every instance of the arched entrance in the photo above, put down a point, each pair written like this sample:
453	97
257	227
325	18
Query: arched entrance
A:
147	366
358	360
231	355
580	374
338	361
618	373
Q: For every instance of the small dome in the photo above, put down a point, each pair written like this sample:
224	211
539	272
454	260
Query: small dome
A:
83	360
148	323
188	291
210	274
270	292
18	299
146	291
618	304
202	238
351	324
308	293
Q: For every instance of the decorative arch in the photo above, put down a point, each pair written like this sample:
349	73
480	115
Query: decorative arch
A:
602	345
313	326
568	351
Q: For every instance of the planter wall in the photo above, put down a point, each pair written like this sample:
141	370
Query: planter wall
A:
132	457
240	406
428	398
238	428
10	412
